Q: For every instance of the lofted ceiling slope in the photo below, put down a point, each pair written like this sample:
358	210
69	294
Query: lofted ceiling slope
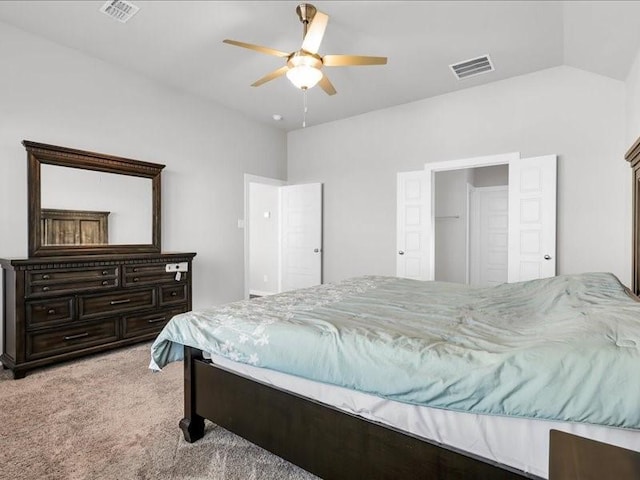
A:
179	43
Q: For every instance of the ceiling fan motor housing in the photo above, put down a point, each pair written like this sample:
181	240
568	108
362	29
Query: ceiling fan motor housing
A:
302	57
306	12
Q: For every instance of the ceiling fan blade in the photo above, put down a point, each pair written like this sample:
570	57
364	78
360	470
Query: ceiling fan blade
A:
326	85
352	60
315	32
270	76
257	48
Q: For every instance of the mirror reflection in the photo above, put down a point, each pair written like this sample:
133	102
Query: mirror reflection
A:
87	207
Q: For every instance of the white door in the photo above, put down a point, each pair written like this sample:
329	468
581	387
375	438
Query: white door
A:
301	230
532	218
412	229
489	230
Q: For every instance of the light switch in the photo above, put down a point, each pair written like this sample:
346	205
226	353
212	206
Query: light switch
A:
267	214
240	223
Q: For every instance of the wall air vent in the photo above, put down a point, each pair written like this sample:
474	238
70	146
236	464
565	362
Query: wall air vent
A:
472	67
121	10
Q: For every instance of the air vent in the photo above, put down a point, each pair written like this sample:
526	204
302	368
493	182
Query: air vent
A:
472	67
120	10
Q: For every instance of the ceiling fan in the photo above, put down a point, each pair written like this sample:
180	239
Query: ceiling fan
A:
304	66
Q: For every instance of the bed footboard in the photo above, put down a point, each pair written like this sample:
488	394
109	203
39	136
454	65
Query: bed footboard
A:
319	438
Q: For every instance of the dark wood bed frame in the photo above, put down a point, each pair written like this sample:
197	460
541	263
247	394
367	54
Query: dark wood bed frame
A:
318	437
329	442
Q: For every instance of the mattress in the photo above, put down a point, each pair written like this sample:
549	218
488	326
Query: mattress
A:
521	443
559	349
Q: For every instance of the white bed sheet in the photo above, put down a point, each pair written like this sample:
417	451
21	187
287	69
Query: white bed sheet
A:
521	443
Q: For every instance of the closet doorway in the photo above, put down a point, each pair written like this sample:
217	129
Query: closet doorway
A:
441	219
471	225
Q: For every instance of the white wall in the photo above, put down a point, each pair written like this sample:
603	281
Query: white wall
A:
264	238
566	111
633	101
52	94
451	233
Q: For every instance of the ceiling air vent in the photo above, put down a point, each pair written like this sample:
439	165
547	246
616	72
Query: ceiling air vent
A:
472	67
121	10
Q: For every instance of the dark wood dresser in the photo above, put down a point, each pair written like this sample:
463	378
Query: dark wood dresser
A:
58	308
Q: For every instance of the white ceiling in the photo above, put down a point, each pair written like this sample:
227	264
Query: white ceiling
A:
179	43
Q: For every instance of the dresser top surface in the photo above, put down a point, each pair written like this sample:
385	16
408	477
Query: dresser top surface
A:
89	260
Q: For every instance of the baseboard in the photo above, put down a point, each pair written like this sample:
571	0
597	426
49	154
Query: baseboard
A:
260	293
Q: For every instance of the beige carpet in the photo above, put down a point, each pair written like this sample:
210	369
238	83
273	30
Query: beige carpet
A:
109	417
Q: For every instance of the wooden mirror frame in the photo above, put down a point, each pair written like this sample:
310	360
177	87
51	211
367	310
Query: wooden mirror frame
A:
39	153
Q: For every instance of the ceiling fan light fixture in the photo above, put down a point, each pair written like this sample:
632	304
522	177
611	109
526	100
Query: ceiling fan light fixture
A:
304	76
304	66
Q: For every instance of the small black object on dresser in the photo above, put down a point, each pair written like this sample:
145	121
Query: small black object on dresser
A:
96	277
58	308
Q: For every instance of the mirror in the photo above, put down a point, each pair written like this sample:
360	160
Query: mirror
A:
88	203
120	203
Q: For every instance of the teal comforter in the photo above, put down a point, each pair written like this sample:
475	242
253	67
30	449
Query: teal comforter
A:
563	348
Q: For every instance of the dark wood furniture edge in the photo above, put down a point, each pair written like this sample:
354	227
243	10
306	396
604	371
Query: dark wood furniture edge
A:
69	156
575	457
317	437
26	367
41	263
633	157
192	424
38	153
633	154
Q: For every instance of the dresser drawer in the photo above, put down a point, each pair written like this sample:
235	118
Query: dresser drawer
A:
171	294
150	275
90	306
61	340
135	325
45	312
48	282
154	279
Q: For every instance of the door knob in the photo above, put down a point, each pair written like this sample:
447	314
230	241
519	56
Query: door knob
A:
316	250
547	257
401	252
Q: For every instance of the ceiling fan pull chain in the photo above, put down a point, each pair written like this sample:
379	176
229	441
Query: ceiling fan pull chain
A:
304	112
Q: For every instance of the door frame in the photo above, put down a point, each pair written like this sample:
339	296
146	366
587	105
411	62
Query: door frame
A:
460	164
248	178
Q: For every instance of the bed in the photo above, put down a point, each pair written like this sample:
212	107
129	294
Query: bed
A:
298	413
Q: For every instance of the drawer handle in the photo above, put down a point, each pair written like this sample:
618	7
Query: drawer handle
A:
136	279
105	272
75	337
156	320
119	302
105	282
173	294
51	311
135	269
46	277
45	289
